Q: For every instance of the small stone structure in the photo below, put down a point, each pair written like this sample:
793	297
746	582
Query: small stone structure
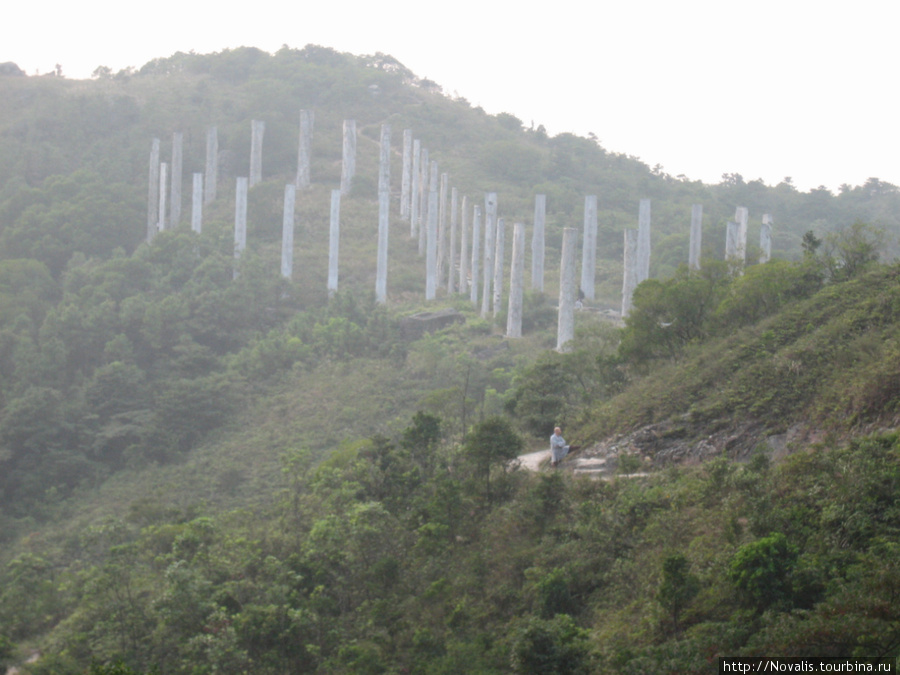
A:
415	326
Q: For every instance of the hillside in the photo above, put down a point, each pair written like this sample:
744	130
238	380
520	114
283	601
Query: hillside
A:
203	471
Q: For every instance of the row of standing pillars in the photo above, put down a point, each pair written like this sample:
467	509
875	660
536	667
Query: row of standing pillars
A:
424	203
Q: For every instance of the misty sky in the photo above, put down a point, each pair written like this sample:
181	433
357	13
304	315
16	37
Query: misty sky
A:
764	89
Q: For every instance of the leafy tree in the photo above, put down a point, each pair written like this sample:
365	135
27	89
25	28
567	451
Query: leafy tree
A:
677	588
853	248
550	646
761	571
491	443
668	315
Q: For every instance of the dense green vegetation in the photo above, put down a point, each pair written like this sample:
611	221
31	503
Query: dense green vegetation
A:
207	472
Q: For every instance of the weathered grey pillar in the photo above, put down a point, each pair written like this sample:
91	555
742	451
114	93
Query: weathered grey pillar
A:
490	224
696	236
163	185
287	232
212	165
499	259
537	243
406	174
414	190
629	276
334	236
451	262
197	203
589	247
384	206
765	239
384	160
442	229
732	233
177	168
348	165
643	247
516	283
304	150
153	191
476	253
741	216
464	247
565	327
240	218
257	131
423	200
431	235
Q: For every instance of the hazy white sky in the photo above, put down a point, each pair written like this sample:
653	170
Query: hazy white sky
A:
767	89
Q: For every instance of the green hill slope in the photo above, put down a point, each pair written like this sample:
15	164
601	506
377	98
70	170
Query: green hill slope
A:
208	473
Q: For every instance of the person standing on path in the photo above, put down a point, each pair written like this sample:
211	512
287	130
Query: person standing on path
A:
558	447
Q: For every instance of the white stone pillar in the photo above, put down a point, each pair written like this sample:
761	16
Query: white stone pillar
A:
212	165
476	253
240	218
384	161
414	190
334	236
406	175
257	131
732	233
741	216
431	235
643	246
516	283
464	247
384	206
304	150
423	200
163	185
153	191
451	261
197	203
177	169
696	236
537	243
765	239
629	276
565	327
442	228
499	259
490	234
589	247
287	232
348	165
